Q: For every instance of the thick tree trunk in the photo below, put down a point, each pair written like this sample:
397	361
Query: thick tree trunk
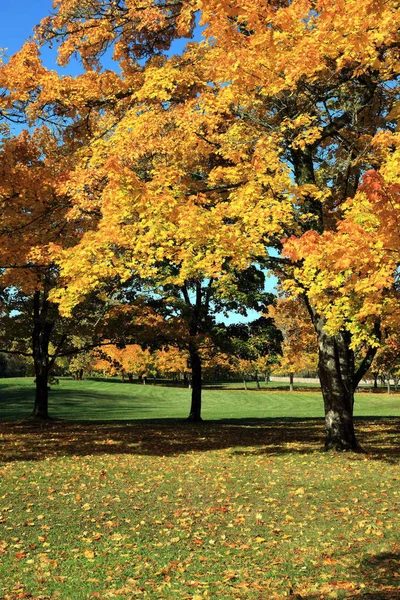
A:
337	377
41	406
258	382
195	360
291	387
375	376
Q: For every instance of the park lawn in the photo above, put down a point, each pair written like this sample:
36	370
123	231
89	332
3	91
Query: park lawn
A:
109	399
159	508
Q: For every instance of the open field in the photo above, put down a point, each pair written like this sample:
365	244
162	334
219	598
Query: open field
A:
99	399
135	502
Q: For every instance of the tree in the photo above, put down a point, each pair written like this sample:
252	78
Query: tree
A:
386	363
253	345
130	360
299	347
32	220
172	361
239	146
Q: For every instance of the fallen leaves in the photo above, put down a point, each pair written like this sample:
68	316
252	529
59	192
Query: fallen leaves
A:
224	522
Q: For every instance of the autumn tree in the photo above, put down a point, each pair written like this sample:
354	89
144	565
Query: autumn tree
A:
299	346
253	346
33	218
209	159
386	363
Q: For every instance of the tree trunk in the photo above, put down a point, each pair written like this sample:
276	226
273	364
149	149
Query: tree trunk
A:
291	387
336	374
195	361
245	383
339	379
258	382
42	328
375	376
388	383
41	406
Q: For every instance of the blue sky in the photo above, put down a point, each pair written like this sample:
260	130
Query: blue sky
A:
19	17
17	20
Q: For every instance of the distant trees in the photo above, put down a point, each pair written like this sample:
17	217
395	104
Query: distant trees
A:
299	346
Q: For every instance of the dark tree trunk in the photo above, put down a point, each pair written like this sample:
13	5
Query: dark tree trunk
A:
291	387
195	361
375	376
40	350
41	406
130	377
336	371
339	379
258	382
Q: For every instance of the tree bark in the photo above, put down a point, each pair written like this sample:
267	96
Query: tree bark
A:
42	328
195	361
339	379
41	406
335	375
258	382
388	383
291	387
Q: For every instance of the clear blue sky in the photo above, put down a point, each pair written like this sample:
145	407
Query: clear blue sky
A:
17	20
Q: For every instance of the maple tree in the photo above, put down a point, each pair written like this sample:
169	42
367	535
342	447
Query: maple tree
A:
299	346
130	360
33	217
386	363
253	347
203	162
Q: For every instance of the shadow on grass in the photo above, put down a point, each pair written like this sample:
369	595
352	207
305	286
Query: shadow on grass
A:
379	574
30	440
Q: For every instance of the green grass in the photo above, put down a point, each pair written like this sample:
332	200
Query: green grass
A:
137	503
108	399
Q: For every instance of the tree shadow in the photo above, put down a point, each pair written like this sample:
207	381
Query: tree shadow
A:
379	574
31	440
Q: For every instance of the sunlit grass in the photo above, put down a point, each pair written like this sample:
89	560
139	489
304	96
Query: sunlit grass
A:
102	399
136	502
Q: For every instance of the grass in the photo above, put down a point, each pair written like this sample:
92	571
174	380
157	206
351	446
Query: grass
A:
100	399
137	503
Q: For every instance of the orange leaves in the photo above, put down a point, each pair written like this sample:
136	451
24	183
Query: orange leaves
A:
299	348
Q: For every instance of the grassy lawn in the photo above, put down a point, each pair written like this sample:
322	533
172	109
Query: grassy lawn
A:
108	399
135	502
